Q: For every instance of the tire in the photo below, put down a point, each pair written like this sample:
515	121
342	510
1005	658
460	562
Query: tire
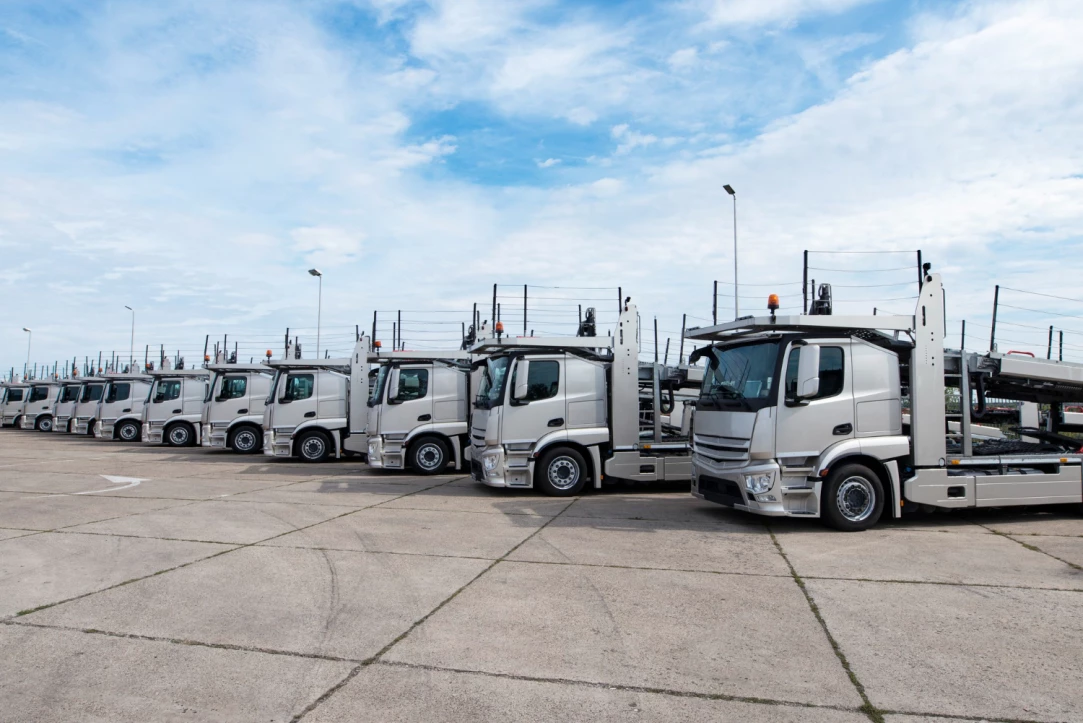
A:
245	439
429	455
561	473
180	434
90	428
313	446
129	431
852	499
44	423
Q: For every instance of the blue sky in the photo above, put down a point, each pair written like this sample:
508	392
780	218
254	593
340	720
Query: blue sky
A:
194	159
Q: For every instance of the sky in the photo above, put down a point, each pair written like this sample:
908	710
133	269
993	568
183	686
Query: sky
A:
192	160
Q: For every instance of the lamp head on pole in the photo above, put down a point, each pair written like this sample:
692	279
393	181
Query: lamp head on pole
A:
26	330
315	272
729	189
128	308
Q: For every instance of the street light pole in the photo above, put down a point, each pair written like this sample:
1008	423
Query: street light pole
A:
29	338
736	304
319	308
131	347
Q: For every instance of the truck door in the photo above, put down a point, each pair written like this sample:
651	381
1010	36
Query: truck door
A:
409	404
806	428
231	397
195	390
544	408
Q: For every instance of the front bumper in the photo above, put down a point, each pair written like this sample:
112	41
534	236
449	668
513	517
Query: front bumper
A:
100	432
497	472
153	432
81	425
387	451
27	422
787	496
60	424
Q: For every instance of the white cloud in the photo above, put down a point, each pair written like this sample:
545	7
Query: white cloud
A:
324	244
683	58
628	139
761	12
548	162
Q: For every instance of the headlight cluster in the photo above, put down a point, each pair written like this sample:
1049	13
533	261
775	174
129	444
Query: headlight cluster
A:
489	461
372	447
757	484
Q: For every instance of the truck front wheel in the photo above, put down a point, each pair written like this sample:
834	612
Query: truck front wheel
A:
313	446
852	499
561	473
429	455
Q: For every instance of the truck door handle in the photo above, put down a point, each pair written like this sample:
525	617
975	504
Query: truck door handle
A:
177	411
843	429
558	422
310	414
424	418
126	410
242	411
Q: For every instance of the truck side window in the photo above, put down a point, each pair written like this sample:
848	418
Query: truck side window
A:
298	386
166	390
413	384
233	388
118	392
38	394
71	394
831	372
542	380
15	395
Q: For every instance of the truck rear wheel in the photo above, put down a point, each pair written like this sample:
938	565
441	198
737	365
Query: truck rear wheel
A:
44	423
852	498
245	439
429	455
313	446
561	473
129	431
180	434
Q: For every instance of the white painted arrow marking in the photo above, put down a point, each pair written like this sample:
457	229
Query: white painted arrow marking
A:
124	482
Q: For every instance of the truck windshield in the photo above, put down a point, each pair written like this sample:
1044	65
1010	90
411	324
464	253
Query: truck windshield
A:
274	386
211	387
378	386
740	377
492	383
91	393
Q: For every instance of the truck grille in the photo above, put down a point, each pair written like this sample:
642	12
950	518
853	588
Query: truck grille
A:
728	451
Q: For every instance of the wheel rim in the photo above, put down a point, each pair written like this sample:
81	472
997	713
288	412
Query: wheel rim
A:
312	448
856	499
430	456
128	432
563	473
46	425
244	440
179	436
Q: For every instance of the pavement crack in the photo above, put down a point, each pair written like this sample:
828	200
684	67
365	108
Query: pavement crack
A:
873	713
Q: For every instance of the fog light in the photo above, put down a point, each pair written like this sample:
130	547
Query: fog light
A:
757	484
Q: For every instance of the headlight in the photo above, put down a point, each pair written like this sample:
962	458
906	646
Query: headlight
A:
489	461
757	484
372	447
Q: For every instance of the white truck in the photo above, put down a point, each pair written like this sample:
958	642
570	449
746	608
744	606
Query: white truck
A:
85	412
13	401
64	407
174	407
120	414
555	413
38	409
233	408
311	414
418	411
802	416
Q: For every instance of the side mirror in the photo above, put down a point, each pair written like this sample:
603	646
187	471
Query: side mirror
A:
393	385
522	378
808	372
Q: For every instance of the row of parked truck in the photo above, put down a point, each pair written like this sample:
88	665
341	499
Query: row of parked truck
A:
843	418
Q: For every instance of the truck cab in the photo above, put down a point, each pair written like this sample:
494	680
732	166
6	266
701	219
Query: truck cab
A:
174	407
233	408
418	411
85	412
38	410
13	401
63	408
802	416
121	413
310	412
555	413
